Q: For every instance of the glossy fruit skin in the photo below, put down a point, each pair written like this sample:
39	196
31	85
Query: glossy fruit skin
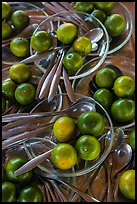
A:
67	33
12	165
8	192
105	78
123	110
41	41
6	30
124	86
106	7
127	184
64	156
30	193
91	123
87	147
8	89
132	139
6	10
25	93
84	6
3	104
20	19
64	128
105	97
20	47
115	24
72	62
83	45
99	15
20	73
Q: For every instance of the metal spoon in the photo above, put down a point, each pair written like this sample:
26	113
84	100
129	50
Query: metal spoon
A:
73	111
68	185
118	139
121	157
95	34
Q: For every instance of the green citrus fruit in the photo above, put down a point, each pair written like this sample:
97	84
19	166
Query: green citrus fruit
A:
30	193
104	6
12	165
84	6
105	78
99	15
41	41
20	73
91	123
20	19
127	184
105	97
132	139
67	33
25	93
123	110
64	156
20	47
124	86
87	147
82	45
7	30
115	24
8	192
6	10
72	62
8	89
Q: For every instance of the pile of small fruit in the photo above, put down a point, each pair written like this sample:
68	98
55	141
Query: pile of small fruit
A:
21	188
13	21
114	23
114	92
18	88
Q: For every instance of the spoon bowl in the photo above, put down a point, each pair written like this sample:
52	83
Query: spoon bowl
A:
95	34
121	157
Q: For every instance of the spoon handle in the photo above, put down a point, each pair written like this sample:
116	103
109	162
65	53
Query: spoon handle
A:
32	163
110	197
56	78
85	196
38	56
45	75
15	140
48	80
68	86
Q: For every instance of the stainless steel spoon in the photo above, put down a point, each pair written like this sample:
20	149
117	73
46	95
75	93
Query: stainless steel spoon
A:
73	111
118	139
121	157
95	34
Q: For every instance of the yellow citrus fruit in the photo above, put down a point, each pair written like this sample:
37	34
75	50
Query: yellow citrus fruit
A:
64	128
